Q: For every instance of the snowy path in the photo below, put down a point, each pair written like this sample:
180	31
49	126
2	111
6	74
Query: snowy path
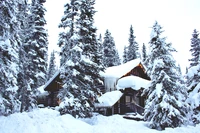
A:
49	121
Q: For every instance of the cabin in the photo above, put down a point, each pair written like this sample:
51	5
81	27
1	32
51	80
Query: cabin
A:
124	85
52	87
122	89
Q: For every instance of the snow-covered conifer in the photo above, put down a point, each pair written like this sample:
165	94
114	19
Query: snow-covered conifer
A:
80	59
52	66
125	55
193	76
9	39
165	106
132	49
195	49
37	44
144	52
24	92
111	56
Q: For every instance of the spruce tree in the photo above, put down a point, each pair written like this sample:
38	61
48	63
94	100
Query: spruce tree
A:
165	106
125	55
52	66
195	49
9	40
24	92
80	59
144	52
111	56
132	52
37	44
193	76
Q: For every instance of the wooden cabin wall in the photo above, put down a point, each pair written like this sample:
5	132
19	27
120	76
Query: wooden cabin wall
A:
131	102
52	99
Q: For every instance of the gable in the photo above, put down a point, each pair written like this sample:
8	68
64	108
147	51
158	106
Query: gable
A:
119	71
131	68
54	84
137	71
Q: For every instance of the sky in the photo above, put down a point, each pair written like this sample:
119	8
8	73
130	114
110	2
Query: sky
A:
177	17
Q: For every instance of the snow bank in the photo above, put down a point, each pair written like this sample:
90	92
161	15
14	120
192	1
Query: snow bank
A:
132	81
49	121
119	71
109	99
42	121
117	124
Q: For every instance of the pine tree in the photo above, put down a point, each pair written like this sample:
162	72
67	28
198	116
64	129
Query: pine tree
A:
24	92
81	59
52	66
193	80
195	49
144	52
193	76
25	95
111	56
133	47
101	48
9	27
166	105
37	44
125	55
91	46
68	22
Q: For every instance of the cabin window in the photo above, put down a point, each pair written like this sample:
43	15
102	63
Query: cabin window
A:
128	99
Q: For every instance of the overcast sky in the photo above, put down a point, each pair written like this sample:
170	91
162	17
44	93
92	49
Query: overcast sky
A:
177	17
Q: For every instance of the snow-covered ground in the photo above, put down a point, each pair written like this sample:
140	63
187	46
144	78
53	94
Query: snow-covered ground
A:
49	121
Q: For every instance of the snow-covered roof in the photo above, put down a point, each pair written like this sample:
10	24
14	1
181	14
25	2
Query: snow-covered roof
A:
41	89
51	79
133	82
109	99
118	71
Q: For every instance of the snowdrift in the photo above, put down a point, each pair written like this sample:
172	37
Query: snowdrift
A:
49	121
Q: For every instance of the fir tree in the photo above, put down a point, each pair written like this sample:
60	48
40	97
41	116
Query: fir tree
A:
24	92
144	52
125	55
193	80
68	22
9	27
25	95
132	52
37	44
52	66
111	56
81	59
166	105
195	49
193	76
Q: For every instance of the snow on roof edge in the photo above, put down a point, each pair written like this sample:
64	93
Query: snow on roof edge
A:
134	82
120	70
109	99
